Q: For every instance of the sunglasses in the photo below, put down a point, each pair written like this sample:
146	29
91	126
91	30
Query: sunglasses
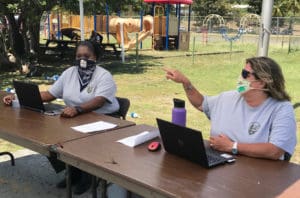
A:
246	74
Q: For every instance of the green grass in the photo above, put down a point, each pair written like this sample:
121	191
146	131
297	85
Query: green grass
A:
151	93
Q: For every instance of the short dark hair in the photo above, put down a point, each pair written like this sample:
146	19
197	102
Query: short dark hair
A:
92	46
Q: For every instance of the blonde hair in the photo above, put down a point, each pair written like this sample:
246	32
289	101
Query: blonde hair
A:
268	71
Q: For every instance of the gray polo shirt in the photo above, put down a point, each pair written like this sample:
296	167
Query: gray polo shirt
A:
273	121
102	84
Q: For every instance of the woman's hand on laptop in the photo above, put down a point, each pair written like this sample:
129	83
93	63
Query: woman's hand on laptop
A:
8	99
69	112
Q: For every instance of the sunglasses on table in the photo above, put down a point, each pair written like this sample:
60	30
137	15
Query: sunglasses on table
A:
245	74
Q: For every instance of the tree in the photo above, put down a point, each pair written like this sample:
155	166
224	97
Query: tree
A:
23	19
293	6
255	6
206	7
279	8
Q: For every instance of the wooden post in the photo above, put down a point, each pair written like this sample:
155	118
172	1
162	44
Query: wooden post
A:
194	40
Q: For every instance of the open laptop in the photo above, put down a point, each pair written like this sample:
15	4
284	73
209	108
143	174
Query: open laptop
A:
30	98
189	144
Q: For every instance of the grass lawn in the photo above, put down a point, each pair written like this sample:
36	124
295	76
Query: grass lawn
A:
151	94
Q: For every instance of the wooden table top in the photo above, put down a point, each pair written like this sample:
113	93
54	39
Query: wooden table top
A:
171	176
22	126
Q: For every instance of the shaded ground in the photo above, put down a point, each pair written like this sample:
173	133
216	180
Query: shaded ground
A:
33	177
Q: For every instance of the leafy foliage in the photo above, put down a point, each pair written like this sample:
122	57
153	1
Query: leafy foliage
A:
204	8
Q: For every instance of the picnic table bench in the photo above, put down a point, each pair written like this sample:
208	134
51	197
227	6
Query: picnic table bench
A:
110	47
59	46
62	46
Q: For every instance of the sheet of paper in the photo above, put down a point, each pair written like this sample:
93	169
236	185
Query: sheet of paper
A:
94	126
140	138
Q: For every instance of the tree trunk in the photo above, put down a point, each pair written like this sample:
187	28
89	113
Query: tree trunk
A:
16	41
34	35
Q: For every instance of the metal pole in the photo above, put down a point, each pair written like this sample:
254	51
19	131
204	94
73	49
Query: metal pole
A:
58	26
81	20
231	48
189	20
265	29
167	27
122	41
107	21
141	25
68	180
95	22
137	49
178	31
277	26
48	19
152	9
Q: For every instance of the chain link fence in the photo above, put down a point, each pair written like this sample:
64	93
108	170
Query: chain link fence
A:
285	31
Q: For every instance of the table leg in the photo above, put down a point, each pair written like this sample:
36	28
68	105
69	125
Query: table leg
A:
103	188
68	179
94	186
12	159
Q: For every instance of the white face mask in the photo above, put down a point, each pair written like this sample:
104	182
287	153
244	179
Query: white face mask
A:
243	85
83	63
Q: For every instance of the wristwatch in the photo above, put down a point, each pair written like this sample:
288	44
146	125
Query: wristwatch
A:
79	109
234	148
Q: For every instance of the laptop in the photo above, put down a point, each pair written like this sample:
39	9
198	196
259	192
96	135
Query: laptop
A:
189	144
30	98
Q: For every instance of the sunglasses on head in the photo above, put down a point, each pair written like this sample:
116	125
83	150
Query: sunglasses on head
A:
246	74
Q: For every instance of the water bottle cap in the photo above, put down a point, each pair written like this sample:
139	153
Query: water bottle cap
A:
179	103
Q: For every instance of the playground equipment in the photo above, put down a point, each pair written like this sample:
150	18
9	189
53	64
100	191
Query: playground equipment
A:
118	26
167	34
164	29
250	22
98	23
247	23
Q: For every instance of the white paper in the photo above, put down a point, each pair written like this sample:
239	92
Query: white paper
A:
140	138
94	126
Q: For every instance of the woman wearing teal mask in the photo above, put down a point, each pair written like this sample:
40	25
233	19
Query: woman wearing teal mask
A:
256	120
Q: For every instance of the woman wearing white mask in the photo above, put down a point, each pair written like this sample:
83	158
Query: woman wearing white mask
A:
84	87
256	120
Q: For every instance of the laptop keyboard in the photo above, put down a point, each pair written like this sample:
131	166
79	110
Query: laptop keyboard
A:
213	156
53	107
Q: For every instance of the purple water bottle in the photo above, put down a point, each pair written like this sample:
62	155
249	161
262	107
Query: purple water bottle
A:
179	112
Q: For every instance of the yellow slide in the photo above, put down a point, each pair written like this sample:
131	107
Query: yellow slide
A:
141	37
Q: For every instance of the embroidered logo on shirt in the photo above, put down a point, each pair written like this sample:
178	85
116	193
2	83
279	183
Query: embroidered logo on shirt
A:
89	89
254	126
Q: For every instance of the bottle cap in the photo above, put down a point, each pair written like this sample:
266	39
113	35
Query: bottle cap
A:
179	103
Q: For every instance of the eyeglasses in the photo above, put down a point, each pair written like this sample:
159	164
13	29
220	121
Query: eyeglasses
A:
245	74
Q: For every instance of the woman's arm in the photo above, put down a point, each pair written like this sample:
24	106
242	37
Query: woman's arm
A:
194	96
91	105
259	150
46	96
